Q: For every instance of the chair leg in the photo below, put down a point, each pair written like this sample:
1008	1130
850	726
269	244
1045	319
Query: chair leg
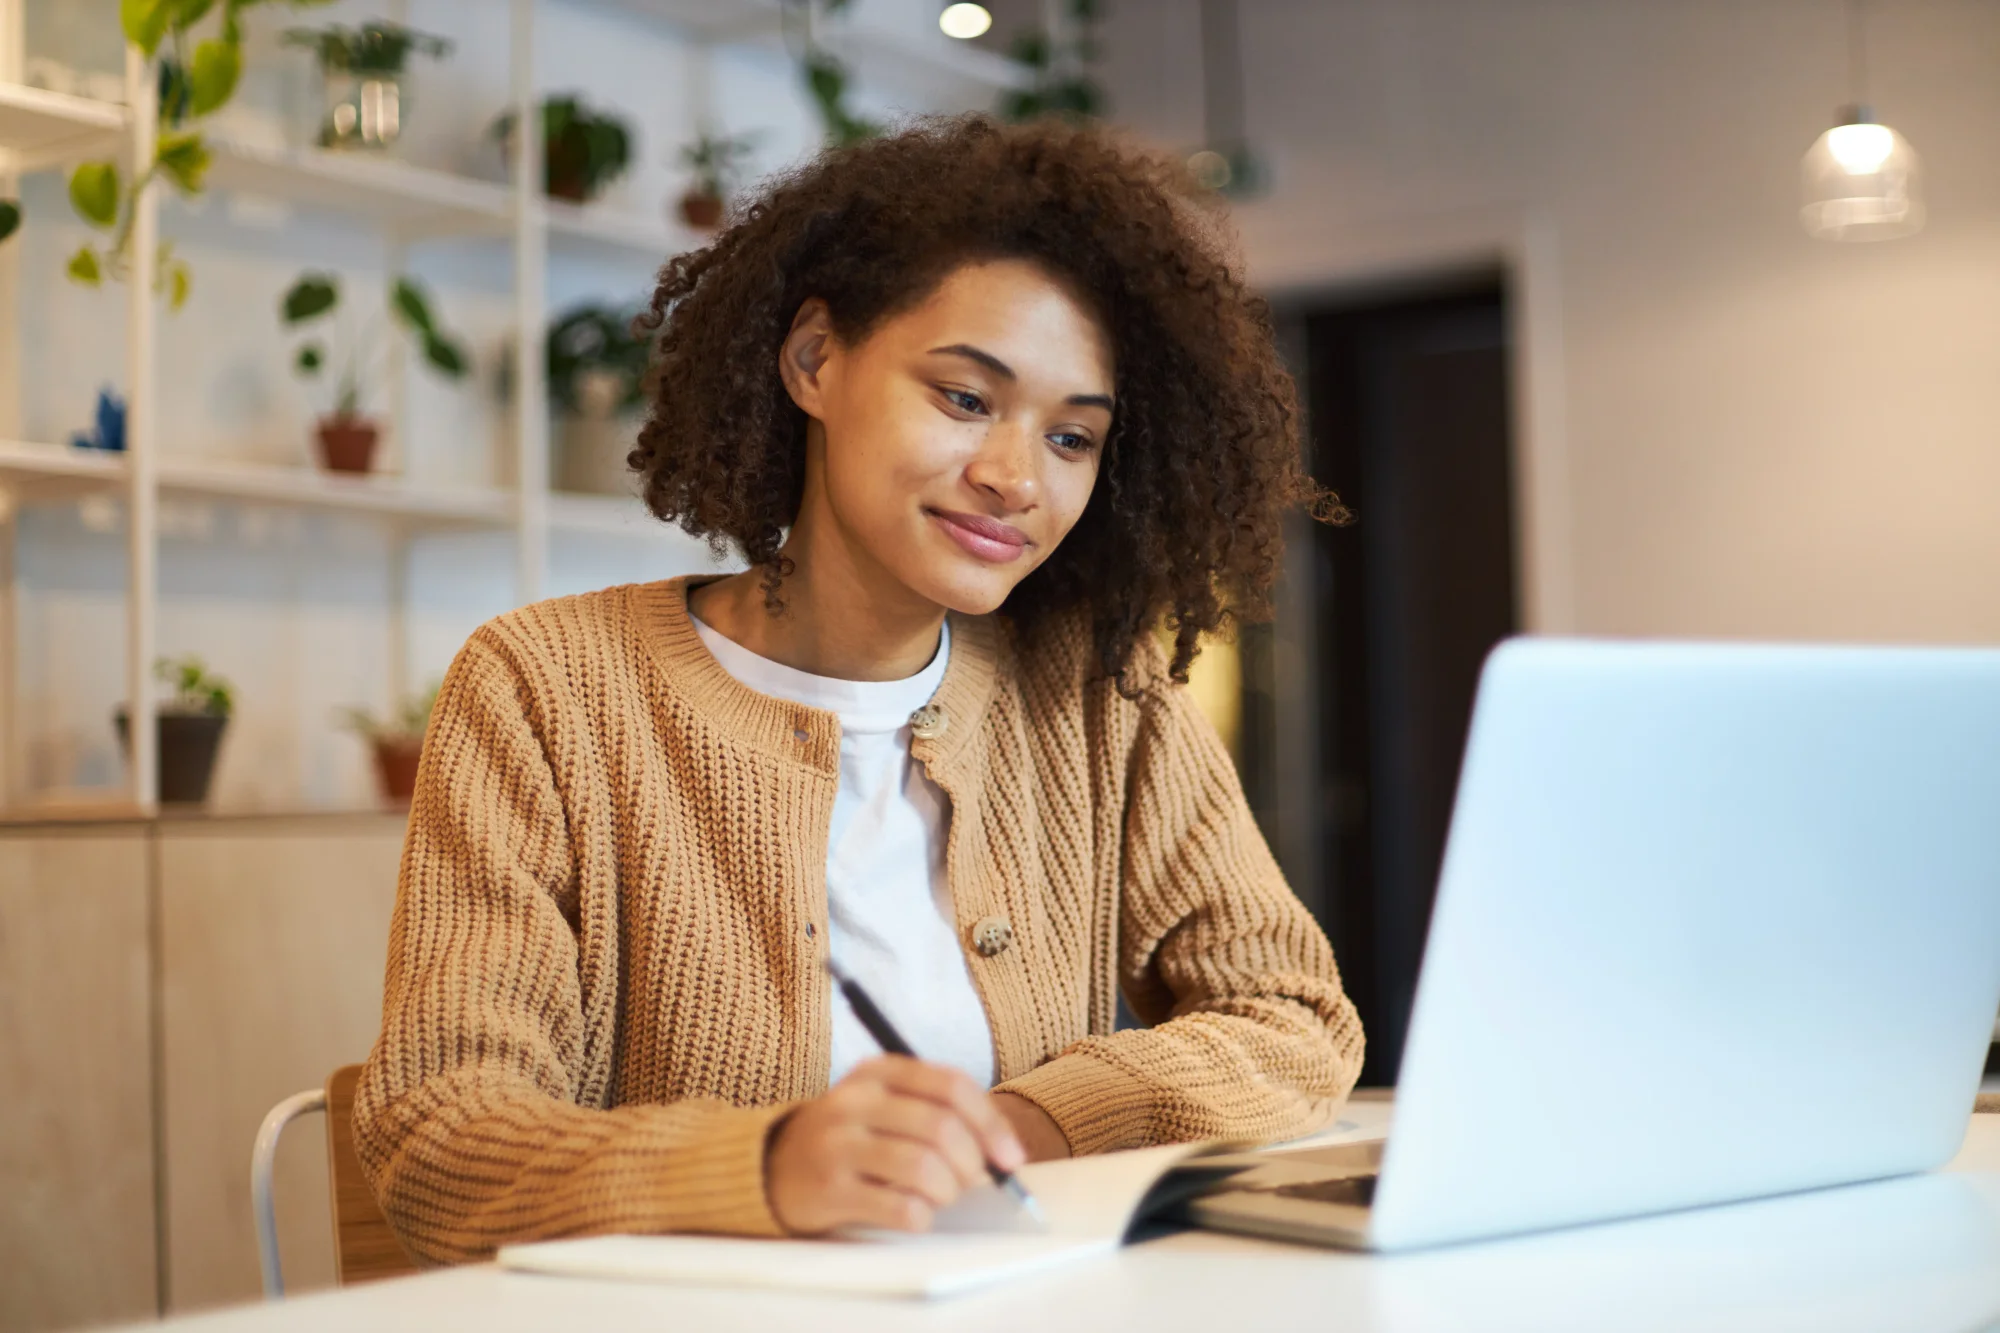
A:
262	1206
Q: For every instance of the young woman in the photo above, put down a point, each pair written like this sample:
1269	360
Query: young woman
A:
983	407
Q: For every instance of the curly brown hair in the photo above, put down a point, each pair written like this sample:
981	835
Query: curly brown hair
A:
1185	524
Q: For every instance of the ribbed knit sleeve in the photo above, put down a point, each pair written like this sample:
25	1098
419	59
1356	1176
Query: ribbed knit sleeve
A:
480	1117
1251	1036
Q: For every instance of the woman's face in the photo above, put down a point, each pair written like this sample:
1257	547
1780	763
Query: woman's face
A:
956	445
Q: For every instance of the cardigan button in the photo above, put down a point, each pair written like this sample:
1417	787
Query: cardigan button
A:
927	723
992	936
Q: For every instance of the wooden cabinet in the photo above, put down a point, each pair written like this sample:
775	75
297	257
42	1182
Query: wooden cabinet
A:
162	984
77	1175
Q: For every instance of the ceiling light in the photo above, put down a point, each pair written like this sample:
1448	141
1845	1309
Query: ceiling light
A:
965	21
1860	181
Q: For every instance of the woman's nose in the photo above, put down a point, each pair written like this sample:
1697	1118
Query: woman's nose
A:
1007	466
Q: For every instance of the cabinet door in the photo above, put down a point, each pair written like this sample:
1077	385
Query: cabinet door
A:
273	935
76	1085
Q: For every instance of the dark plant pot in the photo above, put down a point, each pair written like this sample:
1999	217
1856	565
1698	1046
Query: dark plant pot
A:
702	211
347	444
188	743
568	173
396	767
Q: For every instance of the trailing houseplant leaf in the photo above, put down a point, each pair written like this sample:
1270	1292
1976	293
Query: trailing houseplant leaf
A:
213	76
93	193
191	87
83	267
311	296
10	218
145	22
184	159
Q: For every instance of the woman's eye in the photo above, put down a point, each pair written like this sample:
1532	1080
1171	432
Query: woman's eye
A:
963	401
1071	444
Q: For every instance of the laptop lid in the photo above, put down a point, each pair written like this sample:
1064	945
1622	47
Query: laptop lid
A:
1715	921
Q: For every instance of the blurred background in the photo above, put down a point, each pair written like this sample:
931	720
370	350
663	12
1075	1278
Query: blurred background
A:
1630	317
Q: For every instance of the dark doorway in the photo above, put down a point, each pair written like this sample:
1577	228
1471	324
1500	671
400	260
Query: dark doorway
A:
1386	622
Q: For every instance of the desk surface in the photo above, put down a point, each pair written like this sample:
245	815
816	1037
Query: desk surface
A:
1916	1254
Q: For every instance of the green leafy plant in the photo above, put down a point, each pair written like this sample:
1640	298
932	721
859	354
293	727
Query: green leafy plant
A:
824	74
583	150
596	337
407	722
375	49
316	296
1060	83
717	161
197	79
196	689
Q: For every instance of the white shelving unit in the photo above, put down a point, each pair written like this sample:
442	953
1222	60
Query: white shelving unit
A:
407	205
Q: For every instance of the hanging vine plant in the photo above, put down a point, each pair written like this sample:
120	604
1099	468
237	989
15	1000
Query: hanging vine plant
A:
1059	69
197	79
825	76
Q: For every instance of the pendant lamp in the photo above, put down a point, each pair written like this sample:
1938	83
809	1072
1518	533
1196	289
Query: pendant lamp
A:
1861	180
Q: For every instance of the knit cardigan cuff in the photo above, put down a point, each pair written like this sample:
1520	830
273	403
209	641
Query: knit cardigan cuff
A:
720	1188
1098	1106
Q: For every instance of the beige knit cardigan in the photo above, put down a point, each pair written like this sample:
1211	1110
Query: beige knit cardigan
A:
604	979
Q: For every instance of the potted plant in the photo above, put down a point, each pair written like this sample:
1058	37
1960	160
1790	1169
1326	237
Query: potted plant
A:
597	369
362	69
188	726
716	161
583	150
347	436
396	741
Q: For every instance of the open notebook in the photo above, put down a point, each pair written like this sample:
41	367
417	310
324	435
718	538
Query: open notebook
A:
982	1239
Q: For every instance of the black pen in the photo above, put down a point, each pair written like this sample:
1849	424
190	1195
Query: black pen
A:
885	1035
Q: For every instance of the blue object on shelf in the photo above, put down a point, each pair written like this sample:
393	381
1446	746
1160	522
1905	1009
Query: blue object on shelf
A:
109	432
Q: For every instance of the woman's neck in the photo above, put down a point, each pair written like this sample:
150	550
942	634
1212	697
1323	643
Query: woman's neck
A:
833	623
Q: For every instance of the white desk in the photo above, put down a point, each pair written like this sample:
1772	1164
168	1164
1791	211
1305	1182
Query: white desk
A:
1910	1255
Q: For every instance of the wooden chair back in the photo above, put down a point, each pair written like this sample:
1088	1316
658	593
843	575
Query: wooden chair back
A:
365	1249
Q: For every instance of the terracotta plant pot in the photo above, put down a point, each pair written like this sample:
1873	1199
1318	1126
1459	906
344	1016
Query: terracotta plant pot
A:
702	211
347	444
396	767
188	743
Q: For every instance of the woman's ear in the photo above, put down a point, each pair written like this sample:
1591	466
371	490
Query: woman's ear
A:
804	354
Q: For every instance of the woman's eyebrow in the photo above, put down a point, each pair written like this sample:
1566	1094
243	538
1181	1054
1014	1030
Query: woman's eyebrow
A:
1006	372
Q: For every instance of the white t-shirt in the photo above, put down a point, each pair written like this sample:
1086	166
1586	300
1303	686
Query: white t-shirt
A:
890	923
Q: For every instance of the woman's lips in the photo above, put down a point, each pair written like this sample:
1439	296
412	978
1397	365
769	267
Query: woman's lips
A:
986	538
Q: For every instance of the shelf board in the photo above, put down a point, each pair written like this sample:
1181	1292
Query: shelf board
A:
44	473
620	232
390	496
49	127
409	199
53	472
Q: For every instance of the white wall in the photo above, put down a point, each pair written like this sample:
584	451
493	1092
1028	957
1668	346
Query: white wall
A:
294	607
1765	435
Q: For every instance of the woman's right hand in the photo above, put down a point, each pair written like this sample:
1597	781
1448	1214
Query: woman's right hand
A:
888	1146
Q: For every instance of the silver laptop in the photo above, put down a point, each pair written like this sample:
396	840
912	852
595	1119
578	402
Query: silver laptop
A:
1715	922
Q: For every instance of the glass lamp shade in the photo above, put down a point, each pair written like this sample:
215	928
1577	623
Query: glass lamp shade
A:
1861	182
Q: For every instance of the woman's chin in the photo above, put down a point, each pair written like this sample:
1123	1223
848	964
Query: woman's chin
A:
968	591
